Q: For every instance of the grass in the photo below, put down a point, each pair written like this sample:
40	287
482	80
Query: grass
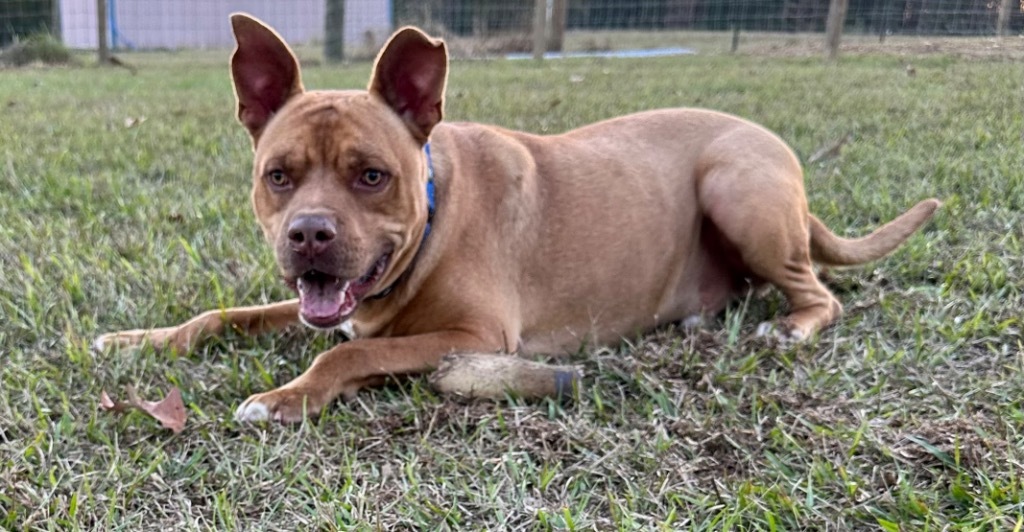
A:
40	49
125	204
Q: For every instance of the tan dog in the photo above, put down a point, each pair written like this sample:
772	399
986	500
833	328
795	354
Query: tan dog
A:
539	243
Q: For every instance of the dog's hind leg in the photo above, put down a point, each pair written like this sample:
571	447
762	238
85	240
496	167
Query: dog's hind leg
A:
762	212
182	338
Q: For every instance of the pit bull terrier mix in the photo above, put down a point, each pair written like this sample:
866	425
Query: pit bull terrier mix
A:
538	243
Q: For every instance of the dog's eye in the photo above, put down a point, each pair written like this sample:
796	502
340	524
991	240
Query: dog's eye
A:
373	178
277	179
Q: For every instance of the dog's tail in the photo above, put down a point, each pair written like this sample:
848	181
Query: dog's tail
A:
829	249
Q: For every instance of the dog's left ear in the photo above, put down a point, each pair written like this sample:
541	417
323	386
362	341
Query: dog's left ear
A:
265	72
410	75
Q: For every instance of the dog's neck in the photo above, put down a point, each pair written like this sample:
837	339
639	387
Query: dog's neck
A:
431	208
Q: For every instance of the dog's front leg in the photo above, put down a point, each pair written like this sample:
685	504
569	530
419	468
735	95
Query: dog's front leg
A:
352	365
247	320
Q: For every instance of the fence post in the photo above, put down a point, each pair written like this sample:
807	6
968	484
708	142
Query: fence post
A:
1003	24
834	26
885	22
540	8
101	24
55	29
559	12
334	31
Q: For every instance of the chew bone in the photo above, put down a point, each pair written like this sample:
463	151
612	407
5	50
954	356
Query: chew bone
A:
492	376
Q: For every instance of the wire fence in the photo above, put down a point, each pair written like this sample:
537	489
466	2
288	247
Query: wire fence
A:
908	17
356	25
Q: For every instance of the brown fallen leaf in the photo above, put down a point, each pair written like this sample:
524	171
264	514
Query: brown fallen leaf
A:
170	412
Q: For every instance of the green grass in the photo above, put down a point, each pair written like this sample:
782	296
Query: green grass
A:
907	415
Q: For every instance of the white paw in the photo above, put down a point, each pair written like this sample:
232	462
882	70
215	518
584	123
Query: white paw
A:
785	337
765	328
693	323
99	345
250	411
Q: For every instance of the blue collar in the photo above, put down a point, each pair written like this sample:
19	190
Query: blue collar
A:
431	208
431	201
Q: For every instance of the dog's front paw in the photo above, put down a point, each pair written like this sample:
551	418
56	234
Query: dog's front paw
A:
158	338
284	405
179	339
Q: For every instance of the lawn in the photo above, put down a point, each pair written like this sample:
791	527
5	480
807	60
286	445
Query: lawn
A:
124	204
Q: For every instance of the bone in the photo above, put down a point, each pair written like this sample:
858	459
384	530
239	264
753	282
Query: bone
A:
494	376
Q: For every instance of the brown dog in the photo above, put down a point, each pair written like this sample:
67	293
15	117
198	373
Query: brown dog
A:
539	243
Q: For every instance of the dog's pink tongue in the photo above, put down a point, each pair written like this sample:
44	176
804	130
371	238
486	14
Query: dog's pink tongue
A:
321	301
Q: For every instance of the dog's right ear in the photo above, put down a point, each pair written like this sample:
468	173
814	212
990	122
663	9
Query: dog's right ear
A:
264	70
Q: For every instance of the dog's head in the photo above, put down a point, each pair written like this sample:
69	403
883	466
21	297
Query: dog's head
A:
339	177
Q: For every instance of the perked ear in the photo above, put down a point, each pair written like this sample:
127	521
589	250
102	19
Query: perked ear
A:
410	75
264	70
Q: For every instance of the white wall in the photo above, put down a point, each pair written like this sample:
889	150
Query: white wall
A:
148	24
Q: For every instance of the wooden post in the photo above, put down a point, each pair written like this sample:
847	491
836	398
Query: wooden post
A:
55	26
885	22
735	39
834	26
101	24
334	31
1003	24
540	8
559	13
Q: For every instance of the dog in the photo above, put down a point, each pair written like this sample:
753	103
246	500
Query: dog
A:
431	238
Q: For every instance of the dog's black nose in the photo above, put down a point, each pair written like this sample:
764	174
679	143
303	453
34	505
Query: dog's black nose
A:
310	235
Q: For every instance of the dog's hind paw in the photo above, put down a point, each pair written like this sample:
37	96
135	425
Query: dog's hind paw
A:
785	336
693	323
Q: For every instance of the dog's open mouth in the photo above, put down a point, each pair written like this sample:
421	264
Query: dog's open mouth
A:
325	301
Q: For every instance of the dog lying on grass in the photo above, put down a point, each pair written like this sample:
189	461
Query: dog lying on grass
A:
432	238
